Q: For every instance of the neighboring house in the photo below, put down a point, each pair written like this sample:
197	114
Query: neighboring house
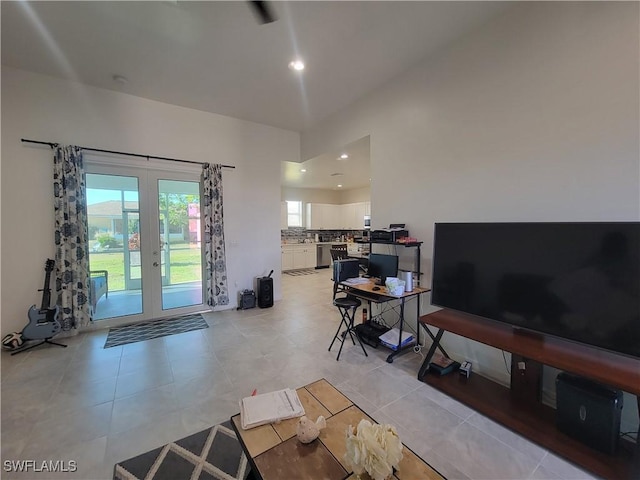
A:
106	217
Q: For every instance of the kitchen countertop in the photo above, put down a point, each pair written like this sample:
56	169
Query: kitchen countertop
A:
319	243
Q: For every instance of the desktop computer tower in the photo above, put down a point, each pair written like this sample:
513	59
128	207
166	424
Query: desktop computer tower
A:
588	411
347	268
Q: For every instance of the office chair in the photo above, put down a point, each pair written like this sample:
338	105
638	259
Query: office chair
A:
347	306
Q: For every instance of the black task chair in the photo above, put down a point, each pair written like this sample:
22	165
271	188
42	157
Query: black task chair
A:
347	305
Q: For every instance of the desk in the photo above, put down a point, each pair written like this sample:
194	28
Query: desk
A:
275	453
365	291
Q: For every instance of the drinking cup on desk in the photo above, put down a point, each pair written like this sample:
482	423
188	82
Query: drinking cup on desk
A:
408	281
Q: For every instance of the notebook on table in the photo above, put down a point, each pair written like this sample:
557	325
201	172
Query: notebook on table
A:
270	407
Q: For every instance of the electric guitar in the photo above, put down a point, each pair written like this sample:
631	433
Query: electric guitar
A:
43	321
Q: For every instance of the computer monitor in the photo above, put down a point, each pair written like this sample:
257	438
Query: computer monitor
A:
382	266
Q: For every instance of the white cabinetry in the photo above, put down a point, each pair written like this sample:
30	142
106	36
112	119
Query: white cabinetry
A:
323	216
333	216
349	216
298	256
310	257
287	258
353	215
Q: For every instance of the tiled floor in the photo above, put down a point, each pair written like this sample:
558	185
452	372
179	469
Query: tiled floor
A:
98	407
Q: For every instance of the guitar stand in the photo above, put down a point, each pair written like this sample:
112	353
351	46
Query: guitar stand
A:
46	340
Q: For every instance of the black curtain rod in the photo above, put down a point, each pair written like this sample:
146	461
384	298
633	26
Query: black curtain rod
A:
52	145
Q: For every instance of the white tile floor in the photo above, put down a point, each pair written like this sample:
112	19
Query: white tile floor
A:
98	407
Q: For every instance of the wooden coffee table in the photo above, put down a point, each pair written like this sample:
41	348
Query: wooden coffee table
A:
275	453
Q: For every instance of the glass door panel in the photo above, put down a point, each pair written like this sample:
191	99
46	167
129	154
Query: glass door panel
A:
180	255
113	213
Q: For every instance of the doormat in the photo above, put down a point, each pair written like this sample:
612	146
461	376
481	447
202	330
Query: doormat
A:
211	453
297	273
154	329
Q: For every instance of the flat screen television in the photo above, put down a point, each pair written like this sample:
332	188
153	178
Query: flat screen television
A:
577	281
382	266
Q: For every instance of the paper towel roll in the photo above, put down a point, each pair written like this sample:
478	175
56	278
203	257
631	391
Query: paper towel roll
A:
408	281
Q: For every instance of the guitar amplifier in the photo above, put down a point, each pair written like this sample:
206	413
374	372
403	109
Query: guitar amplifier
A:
247	300
588	412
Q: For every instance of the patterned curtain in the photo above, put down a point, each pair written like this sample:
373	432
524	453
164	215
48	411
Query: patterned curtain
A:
72	260
216	262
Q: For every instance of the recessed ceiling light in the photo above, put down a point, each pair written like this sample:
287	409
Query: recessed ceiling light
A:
339	185
297	65
344	156
303	170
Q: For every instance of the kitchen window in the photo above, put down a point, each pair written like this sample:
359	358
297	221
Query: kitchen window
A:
294	213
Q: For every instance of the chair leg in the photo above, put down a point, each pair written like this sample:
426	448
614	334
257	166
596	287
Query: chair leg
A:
349	322
335	337
352	333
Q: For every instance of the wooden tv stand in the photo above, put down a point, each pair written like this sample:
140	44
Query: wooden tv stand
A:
533	419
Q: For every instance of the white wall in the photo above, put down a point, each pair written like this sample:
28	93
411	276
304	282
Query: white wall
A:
310	195
319	195
534	117
42	108
355	195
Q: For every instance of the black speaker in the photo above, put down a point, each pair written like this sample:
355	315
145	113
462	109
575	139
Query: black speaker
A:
265	291
588	411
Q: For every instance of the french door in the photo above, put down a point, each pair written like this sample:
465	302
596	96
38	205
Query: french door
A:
145	244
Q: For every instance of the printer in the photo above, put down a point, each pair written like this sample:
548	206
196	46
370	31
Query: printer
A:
395	232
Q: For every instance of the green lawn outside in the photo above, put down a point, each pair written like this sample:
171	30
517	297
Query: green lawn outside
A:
185	266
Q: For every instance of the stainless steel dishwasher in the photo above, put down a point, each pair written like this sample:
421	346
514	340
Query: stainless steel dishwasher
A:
323	259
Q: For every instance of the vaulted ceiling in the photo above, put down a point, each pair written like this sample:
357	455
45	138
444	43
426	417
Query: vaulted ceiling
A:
216	57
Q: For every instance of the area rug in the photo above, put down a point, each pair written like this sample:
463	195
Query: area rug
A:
214	453
154	329
297	273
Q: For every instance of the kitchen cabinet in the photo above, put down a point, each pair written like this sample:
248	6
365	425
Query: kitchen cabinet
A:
298	256
348	215
311	256
353	215
325	216
287	258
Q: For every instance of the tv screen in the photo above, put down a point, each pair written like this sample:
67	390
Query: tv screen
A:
382	266
578	281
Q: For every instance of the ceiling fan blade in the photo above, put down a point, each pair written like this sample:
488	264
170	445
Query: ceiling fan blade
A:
264	11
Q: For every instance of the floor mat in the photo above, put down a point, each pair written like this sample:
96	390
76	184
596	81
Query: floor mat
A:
154	329
214	453
296	273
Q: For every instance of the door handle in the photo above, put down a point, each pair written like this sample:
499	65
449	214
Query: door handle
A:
155	264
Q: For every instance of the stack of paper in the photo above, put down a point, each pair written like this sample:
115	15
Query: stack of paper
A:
270	407
390	338
356	281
